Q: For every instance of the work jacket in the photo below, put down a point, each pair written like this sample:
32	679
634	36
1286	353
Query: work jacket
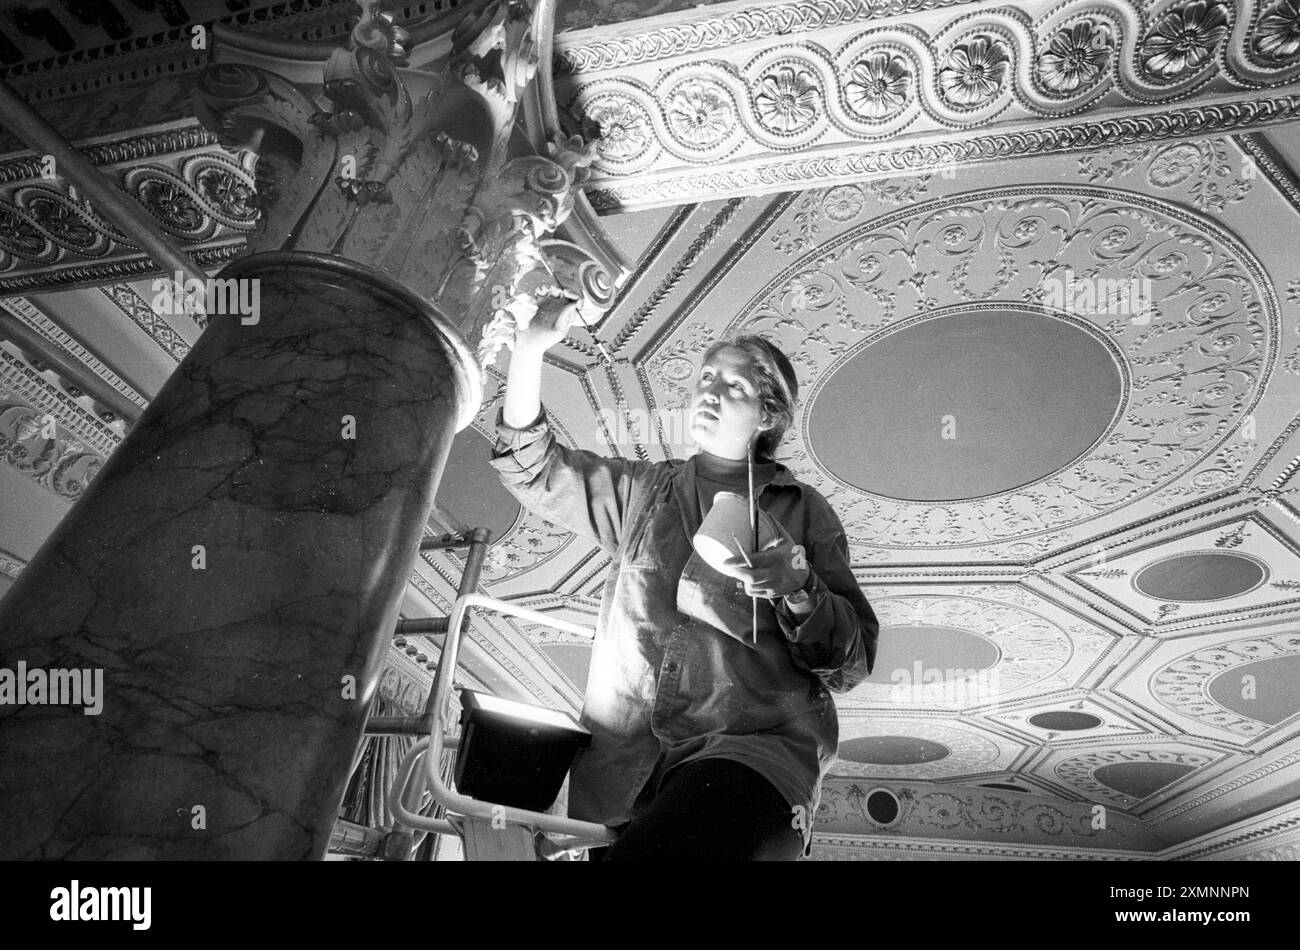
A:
675	675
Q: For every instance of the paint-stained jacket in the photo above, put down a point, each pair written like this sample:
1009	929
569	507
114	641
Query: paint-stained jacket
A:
674	673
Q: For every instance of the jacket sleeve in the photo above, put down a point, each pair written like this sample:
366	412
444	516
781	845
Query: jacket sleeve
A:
586	493
837	641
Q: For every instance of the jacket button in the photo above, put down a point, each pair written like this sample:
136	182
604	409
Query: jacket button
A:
672	667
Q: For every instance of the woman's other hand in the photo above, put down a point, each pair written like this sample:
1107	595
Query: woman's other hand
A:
780	568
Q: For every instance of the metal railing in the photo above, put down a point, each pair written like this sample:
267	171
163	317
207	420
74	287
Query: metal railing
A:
411	783
420	769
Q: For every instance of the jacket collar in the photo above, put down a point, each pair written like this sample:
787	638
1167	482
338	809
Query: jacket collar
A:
681	483
783	478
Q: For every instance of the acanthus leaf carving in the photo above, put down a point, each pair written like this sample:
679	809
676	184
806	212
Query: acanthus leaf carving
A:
416	173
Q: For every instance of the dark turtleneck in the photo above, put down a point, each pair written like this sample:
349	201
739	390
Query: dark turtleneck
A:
715	474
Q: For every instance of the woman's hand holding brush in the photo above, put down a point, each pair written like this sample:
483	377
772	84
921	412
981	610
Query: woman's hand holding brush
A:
780	568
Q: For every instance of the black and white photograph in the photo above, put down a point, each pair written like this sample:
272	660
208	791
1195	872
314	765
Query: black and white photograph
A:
652	431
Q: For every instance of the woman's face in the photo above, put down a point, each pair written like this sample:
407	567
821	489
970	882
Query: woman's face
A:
726	409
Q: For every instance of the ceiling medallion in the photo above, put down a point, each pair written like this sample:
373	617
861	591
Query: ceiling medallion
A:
1201	576
994	419
912	749
1064	720
1192	349
892	750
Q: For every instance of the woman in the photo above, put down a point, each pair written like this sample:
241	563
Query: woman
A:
706	744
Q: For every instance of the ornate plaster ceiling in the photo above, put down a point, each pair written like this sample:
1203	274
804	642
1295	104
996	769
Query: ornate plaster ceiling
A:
1075	585
1076	515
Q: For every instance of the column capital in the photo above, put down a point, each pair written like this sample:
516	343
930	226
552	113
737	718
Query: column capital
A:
420	174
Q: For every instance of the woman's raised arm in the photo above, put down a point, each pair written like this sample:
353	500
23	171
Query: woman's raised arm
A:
587	493
523	400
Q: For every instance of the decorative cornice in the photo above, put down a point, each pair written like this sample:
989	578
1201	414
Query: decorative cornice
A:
21	379
404	680
128	149
198	194
1263	831
1240	781
878	848
142	315
1273	833
759	177
972	813
588	51
144	56
43	281
23	310
697	106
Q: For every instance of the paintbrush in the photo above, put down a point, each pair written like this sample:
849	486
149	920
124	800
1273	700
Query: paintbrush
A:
754	597
753	522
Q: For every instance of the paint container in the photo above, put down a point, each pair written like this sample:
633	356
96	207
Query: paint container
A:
727	525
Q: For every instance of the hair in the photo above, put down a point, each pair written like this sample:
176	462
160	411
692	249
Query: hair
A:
777	384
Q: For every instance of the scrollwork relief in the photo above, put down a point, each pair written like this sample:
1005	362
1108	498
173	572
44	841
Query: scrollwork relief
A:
1204	166
204	197
1183	685
922	809
1031	648
1210	311
1194	359
54	461
1077	771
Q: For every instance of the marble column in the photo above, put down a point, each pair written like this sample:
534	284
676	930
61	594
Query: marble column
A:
235	570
